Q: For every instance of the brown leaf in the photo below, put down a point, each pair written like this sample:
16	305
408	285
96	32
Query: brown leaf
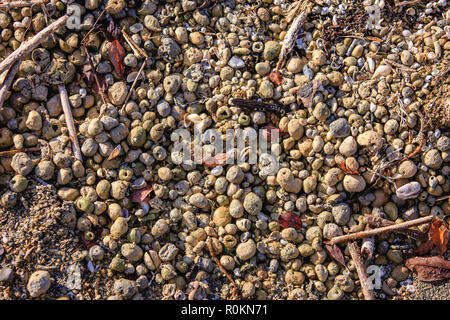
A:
307	93
290	220
424	248
429	268
439	234
90	75
116	54
141	195
335	252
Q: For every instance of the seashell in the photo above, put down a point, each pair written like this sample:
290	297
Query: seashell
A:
408	191
382	70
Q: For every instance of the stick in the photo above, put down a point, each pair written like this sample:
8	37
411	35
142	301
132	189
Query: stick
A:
8	153
28	46
9	79
374	232
361	270
133	44
234	296
380	222
134	84
406	3
69	122
20	4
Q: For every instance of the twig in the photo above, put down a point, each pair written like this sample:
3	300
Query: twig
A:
234	296
69	122
134	84
133	44
290	38
406	3
361	270
378	222
8	153
7	83
374	232
28	46
102	94
20	4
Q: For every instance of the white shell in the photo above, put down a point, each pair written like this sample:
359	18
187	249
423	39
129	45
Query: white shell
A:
382	70
409	190
217	171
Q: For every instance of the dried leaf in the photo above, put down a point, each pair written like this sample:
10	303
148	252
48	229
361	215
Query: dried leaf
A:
276	78
290	220
307	92
344	168
335	252
439	234
141	195
429	268
116	54
374	39
111	31
424	248
90	74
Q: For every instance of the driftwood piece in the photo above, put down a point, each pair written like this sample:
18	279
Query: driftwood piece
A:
374	232
8	80
28	46
69	122
361	270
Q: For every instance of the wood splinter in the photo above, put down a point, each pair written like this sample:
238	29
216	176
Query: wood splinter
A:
375	232
361	270
69	122
234	296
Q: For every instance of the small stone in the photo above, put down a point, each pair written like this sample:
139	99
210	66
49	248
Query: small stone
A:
132	252
354	183
341	213
432	159
246	250
221	216
6	274
400	273
39	283
117	93
236	62
262	68
125	288
252	203
266	89
340	128
348	147
319	58
295	129
407	58
22	163
271	50
295	64
168	252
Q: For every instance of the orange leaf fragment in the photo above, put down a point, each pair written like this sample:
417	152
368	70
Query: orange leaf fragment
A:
116	54
276	78
439	234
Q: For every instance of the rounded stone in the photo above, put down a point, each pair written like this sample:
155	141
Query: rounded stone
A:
39	283
253	203
246	250
221	216
354	183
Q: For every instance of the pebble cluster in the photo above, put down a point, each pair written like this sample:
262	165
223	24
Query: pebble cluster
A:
366	111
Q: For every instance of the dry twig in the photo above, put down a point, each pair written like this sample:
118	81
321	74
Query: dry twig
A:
20	4
28	46
234	296
9	153
361	270
69	122
7	83
378	222
374	232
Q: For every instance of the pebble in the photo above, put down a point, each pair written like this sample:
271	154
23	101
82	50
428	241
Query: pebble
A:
39	283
